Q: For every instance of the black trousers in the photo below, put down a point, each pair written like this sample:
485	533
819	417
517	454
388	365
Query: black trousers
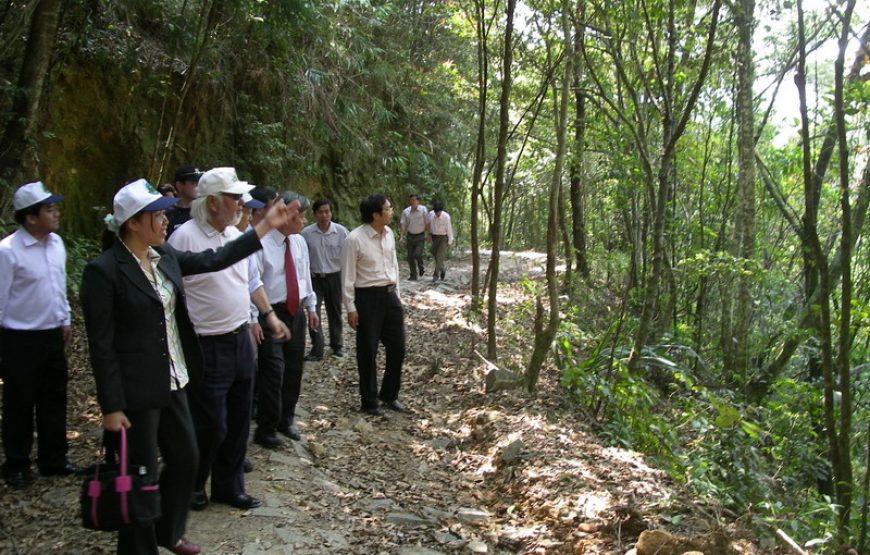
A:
328	289
279	377
34	372
169	432
415	243
221	409
381	320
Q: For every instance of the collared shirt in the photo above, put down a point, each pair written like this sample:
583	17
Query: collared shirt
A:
440	225
414	221
368	260
325	247
218	301
270	264
166	291
33	282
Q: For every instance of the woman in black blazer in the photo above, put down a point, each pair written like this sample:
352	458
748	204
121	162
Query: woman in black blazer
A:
144	350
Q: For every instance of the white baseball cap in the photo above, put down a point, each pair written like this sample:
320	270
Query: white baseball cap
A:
33	193
221	180
138	196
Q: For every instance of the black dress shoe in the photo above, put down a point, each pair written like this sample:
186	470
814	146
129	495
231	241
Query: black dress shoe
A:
312	358
242	501
18	479
291	431
374	411
247	467
199	501
66	469
267	439
338	353
395	405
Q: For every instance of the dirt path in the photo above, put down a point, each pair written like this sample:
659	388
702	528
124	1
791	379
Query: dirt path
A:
462	472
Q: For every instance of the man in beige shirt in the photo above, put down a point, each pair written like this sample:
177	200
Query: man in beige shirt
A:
370	279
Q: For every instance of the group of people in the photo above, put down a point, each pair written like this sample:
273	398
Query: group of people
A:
196	314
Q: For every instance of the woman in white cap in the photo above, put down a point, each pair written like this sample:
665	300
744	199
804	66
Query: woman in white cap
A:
144	350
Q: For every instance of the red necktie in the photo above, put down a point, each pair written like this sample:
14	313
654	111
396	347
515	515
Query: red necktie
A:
290	279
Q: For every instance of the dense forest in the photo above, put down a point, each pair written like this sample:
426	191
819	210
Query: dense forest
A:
697	174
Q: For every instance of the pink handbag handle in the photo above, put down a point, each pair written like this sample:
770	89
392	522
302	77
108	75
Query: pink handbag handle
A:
123	484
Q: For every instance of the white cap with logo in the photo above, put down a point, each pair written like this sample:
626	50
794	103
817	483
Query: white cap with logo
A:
221	180
135	197
33	193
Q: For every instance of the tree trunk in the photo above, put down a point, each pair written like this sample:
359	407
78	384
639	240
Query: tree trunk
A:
18	156
498	192
544	339
578	184
744	223
480	148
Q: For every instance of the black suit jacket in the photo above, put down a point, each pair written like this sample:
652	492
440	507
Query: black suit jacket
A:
126	325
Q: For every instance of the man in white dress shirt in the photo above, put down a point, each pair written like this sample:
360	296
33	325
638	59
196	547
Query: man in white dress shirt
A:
325	240
284	268
34	329
370	286
413	224
218	303
441	232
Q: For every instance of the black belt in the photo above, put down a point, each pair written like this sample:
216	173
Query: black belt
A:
436	235
378	289
417	234
320	275
237	331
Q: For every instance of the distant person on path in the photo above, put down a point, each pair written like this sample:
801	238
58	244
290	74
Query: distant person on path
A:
34	329
370	287
414	224
284	268
186	178
218	303
144	350
325	240
441	232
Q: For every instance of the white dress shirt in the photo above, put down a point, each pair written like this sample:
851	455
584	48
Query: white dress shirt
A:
368	260
33	282
217	302
440	225
414	221
270	265
325	247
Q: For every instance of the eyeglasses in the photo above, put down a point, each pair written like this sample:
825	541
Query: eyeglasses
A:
236	197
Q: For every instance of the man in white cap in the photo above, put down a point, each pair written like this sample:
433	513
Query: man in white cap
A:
218	303
34	329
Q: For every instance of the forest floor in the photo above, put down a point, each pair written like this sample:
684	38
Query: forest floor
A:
463	471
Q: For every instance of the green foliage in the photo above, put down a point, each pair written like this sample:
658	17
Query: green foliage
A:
79	251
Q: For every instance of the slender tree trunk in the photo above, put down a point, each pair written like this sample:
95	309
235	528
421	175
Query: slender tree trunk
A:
843	475
498	192
544	339
744	224
18	155
578	178
480	149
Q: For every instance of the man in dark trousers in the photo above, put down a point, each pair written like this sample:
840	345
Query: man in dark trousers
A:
414	223
283	267
325	240
34	329
218	304
370	287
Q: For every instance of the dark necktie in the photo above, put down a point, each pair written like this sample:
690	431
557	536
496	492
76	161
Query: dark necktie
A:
290	279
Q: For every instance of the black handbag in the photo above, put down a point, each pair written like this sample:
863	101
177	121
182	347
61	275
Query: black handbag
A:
112	498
